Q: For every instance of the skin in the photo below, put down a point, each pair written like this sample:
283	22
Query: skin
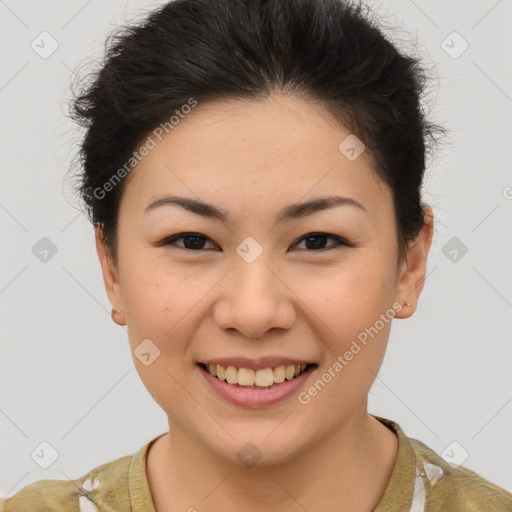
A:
253	158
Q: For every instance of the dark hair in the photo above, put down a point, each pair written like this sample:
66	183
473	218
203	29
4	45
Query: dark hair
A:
325	51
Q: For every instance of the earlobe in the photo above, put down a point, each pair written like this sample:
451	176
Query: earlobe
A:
412	279
110	277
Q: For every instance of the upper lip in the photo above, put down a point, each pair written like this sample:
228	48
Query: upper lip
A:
256	364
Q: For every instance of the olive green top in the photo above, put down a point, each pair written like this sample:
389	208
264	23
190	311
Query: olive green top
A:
421	481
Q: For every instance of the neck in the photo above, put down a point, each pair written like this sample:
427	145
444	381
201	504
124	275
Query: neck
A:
345	471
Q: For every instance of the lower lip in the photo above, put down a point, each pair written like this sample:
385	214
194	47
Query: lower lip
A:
254	398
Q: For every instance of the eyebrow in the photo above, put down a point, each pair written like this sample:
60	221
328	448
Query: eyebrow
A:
290	212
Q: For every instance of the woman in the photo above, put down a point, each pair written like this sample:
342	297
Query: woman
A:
253	171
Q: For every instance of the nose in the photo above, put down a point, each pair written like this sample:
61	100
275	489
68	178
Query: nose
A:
254	299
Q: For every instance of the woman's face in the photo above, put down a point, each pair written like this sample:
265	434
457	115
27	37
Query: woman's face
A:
251	286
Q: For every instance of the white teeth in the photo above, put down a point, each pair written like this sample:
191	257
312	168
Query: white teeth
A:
279	374
231	375
263	378
246	377
289	372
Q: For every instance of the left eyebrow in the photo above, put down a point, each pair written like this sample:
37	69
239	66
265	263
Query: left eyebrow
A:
290	212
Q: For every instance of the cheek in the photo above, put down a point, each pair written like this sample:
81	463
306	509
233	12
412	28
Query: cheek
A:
354	309
348	297
158	325
163	302
155	304
147	297
151	287
354	306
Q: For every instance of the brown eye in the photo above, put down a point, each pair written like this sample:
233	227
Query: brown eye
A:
317	241
191	241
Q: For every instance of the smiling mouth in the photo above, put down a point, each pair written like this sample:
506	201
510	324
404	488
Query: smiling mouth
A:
265	378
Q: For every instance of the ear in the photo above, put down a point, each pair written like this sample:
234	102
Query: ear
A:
413	269
110	276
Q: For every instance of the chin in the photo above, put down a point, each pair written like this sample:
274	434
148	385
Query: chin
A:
260	445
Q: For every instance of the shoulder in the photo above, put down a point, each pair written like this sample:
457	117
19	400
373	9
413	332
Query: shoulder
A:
106	484
452	487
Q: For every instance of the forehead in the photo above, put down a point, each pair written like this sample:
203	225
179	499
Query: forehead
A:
253	152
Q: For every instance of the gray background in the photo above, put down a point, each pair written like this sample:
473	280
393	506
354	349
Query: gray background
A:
67	374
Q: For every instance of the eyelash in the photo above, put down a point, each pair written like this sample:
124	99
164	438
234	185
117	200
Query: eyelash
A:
169	241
